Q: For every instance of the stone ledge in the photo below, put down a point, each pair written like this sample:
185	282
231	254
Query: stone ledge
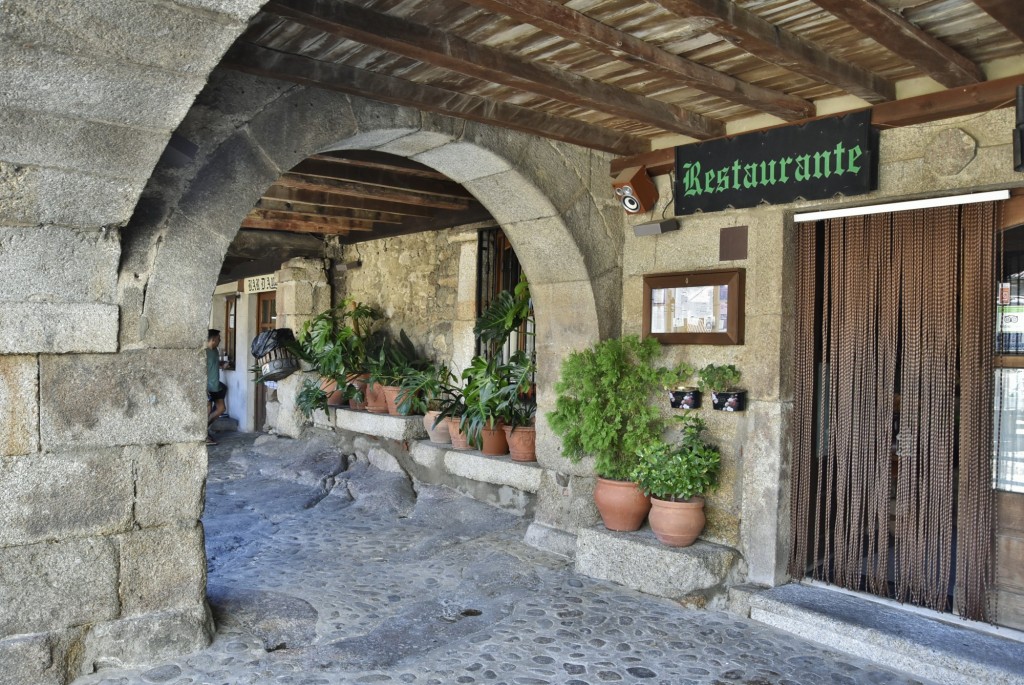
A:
406	428
637	560
472	465
891	636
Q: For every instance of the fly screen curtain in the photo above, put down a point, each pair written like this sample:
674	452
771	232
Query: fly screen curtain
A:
892	434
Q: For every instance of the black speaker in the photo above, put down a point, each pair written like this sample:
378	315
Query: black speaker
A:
1018	133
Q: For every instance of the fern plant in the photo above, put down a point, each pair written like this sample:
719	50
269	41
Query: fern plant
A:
603	406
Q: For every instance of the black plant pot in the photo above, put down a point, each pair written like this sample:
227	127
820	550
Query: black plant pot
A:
684	399
734	400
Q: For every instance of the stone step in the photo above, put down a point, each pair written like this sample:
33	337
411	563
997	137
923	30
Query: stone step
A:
696	575
403	428
224	424
940	651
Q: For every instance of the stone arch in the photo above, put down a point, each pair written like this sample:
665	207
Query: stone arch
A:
541	192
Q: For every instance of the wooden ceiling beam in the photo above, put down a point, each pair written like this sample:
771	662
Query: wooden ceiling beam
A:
356	189
293	226
340	171
764	40
1007	12
326	199
896	34
448	51
954	102
252	59
308	212
368	159
560	20
345	222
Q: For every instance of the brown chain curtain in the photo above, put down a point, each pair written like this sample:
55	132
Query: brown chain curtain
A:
895	320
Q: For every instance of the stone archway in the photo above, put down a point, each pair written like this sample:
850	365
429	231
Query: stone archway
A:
566	231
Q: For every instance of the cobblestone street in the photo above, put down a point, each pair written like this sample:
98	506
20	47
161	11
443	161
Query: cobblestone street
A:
323	571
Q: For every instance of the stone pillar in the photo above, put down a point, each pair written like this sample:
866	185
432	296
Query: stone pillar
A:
302	292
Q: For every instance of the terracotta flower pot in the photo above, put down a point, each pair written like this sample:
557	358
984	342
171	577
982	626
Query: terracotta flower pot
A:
376	403
460	441
439	434
677	524
522	442
493	442
335	397
391	398
622	505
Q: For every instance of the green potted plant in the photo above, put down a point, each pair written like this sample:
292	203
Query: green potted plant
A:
676	476
518	407
422	391
721	380
481	420
603	409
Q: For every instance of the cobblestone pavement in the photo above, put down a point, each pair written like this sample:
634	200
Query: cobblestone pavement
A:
324	570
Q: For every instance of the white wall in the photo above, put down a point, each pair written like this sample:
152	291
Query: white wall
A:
240	399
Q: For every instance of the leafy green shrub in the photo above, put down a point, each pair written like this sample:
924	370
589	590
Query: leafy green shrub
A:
677	472
603	403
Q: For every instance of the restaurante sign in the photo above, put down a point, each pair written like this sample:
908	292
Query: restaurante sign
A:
816	160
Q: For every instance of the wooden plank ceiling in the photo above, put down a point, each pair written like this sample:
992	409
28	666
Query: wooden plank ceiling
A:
613	75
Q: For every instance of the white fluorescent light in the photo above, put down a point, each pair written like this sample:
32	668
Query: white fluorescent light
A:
905	206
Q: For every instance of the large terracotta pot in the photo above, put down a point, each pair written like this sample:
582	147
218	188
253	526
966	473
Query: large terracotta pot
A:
391	398
439	434
460	441
335	397
677	524
493	442
376	403
522	442
622	505
359	381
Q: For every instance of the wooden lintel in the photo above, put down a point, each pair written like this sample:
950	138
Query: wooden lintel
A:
334	200
893	32
355	189
954	102
341	171
764	40
311	212
449	51
252	59
561	20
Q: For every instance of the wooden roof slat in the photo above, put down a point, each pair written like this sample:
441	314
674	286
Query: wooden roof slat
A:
264	62
560	20
893	32
751	33
1009	13
361	158
304	212
451	52
342	171
291	180
333	222
333	200
293	226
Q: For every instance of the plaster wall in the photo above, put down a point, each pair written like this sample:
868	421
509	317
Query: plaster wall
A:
751	508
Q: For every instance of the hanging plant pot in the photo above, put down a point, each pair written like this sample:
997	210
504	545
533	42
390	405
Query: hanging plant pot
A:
522	442
493	442
733	400
460	441
622	505
440	433
686	398
376	403
677	524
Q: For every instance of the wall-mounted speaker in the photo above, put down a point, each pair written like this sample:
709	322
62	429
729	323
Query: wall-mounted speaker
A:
1018	133
635	190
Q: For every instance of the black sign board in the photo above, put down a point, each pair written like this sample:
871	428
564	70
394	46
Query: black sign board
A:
816	160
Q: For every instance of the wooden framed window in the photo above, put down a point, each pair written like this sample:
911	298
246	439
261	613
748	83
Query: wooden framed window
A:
694	307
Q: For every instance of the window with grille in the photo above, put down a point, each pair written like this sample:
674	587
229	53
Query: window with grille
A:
498	270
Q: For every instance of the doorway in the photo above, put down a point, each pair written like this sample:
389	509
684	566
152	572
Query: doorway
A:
892	476
266	320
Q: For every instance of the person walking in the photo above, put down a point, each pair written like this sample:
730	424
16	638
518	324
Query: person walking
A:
215	390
